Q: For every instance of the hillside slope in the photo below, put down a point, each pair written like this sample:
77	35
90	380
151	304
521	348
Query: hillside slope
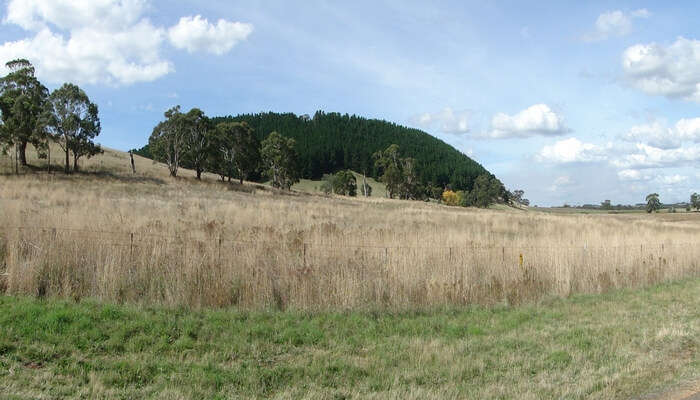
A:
329	142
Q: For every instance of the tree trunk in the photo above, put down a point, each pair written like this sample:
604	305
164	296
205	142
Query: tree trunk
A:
133	166
241	179
199	174
23	153
67	168
364	184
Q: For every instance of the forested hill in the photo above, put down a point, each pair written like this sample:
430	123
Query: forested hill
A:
329	142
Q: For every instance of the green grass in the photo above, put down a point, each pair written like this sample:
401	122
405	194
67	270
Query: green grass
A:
615	345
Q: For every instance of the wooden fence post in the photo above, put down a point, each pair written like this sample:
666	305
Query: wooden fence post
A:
219	258
133	166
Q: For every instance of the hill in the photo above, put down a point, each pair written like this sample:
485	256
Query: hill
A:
329	142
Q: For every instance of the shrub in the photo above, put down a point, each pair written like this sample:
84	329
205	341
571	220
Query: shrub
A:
342	182
465	198
450	198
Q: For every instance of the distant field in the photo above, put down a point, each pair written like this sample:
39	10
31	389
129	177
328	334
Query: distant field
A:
147	238
572	210
620	345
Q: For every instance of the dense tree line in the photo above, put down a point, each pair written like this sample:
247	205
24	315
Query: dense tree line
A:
486	191
331	142
32	115
228	149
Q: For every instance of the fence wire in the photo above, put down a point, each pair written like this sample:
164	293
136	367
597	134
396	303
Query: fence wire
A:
133	240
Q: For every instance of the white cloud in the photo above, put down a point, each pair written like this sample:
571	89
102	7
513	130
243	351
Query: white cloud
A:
447	120
109	14
647	156
614	23
87	41
198	34
572	150
671	179
688	129
105	41
672	71
657	134
641	13
632	175
536	120
561	181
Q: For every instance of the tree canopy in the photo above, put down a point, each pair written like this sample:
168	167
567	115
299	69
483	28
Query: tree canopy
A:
330	142
22	101
653	202
280	160
72	120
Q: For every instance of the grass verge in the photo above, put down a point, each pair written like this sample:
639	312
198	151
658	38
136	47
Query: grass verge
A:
616	345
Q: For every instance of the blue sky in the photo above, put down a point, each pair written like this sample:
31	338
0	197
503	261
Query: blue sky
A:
573	102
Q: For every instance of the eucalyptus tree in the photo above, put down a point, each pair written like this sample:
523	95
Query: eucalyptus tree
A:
167	142
388	163
197	128
653	202
73	122
410	188
695	201
235	150
280	160
486	191
342	182
22	102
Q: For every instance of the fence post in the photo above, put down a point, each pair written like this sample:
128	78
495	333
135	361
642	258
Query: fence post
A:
386	255
219	258
131	246
304	254
503	254
450	254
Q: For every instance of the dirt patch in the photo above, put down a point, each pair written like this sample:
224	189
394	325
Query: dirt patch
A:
686	391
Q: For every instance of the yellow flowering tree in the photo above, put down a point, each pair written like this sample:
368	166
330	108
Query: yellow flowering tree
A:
450	198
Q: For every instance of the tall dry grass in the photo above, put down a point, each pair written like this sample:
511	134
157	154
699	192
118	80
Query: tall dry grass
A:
202	244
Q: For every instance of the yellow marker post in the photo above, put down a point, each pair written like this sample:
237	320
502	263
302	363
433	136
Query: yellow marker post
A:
521	260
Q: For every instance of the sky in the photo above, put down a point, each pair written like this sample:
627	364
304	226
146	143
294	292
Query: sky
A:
573	102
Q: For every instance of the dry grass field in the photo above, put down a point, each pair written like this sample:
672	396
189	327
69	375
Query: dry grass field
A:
145	238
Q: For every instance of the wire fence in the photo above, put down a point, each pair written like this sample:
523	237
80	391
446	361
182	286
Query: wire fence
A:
133	240
214	267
